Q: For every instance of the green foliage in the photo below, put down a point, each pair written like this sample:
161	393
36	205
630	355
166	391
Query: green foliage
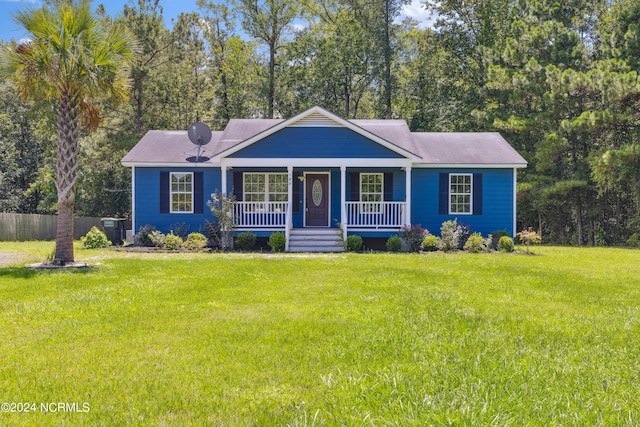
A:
277	242
195	242
157	239
394	244
474	243
413	235
505	244
430	243
354	243
221	206
496	236
173	242
529	237
245	241
450	235
633	240
143	236
95	239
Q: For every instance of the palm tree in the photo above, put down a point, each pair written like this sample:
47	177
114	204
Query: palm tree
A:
74	58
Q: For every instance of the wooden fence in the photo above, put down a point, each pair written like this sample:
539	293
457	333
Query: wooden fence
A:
21	227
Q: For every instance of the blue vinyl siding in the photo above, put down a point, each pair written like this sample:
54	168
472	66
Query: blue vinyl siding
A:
320	142
497	200
147	199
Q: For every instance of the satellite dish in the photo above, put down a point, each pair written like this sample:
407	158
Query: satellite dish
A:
200	135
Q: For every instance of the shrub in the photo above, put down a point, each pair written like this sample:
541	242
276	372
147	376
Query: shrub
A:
277	242
195	242
464	231
354	243
95	239
157	239
496	236
142	238
475	243
180	229
529	237
394	244
505	244
430	243
173	242
634	240
245	241
449	235
413	235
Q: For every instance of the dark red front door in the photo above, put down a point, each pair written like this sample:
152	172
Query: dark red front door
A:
317	200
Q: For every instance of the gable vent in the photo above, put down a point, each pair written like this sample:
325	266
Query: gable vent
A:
315	120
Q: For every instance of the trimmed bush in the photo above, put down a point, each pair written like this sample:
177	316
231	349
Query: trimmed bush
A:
157	239
495	236
430	243
95	239
173	242
505	244
277	242
474	244
413	235
354	243
394	244
195	242
245	241
142	238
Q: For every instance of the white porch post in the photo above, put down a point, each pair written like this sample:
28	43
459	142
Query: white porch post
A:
515	213
288	220
343	201
223	171
407	212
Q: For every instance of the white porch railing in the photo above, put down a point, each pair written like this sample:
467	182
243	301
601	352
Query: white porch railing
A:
375	214
260	214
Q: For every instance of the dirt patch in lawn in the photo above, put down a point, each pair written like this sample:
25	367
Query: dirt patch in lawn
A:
8	258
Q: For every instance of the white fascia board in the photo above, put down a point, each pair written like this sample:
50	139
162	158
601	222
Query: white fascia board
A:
171	165
329	115
469	165
316	162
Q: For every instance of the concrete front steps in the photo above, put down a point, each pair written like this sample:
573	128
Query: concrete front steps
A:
316	240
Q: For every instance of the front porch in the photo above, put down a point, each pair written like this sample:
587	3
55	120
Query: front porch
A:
372	200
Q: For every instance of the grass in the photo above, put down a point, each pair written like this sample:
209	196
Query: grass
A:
434	339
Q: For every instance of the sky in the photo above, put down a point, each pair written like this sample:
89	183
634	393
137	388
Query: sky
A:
172	8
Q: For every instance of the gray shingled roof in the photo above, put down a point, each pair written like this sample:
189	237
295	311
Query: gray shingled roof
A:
465	148
174	147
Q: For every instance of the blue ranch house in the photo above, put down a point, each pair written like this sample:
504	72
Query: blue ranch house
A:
319	178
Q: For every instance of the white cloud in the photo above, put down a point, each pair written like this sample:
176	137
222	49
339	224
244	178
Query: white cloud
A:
416	11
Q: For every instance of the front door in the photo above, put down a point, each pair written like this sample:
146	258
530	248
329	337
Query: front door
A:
317	200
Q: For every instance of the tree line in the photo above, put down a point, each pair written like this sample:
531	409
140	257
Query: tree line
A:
558	79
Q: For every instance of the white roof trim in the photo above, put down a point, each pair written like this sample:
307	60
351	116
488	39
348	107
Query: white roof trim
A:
207	164
315	113
470	165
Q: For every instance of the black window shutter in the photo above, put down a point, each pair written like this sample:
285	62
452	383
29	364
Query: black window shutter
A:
237	185
444	193
388	187
477	194
295	193
164	192
354	183
197	192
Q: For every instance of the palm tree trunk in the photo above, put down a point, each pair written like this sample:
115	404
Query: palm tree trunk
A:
66	174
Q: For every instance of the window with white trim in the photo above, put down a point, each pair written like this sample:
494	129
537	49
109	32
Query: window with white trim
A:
371	190
181	192
267	191
460	193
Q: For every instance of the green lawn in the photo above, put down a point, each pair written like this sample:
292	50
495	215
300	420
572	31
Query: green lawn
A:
434	339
